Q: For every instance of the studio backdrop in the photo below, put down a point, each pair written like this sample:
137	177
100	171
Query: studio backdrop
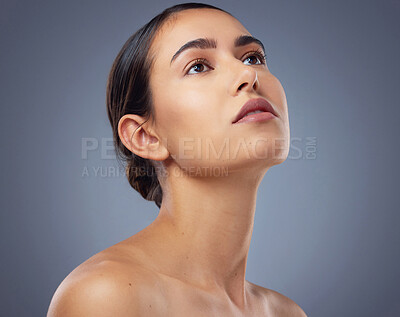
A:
326	229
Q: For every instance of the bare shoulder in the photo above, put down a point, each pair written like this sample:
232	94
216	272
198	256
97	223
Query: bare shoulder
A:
104	285
277	304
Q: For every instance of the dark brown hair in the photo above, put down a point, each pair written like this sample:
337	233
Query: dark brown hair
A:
128	92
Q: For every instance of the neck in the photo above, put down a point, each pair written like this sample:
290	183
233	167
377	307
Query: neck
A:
203	230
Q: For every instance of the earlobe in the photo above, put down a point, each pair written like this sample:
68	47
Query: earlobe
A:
139	139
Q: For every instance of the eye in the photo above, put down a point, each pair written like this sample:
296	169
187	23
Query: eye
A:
197	66
256	58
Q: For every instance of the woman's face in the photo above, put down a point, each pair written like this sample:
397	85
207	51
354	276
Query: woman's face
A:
195	101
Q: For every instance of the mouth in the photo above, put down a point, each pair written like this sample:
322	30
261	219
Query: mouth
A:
257	109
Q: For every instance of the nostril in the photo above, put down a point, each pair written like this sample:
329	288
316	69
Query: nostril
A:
242	85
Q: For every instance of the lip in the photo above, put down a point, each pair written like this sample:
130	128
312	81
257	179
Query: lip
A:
268	112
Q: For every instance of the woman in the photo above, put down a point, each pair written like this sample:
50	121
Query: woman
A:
198	119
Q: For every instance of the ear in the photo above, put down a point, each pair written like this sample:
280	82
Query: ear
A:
137	136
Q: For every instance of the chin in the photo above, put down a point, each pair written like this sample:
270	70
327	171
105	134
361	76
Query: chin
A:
278	161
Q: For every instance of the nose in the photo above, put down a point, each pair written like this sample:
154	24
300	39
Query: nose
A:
246	80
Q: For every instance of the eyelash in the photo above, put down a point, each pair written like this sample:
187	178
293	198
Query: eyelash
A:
259	53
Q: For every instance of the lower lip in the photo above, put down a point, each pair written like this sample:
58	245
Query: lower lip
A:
257	117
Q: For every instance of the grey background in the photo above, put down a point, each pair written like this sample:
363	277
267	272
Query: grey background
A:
327	227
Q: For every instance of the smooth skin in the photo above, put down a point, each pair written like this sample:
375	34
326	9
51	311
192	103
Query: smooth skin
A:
191	260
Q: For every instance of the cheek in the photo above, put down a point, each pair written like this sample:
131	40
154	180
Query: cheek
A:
278	96
184	112
273	90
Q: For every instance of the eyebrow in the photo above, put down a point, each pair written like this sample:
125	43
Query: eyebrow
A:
205	43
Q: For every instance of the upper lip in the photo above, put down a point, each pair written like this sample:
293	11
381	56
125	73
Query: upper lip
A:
254	105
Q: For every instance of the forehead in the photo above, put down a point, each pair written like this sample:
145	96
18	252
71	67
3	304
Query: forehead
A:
191	24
